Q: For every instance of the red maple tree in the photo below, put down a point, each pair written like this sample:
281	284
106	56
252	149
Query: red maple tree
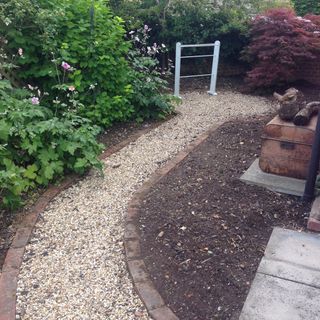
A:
279	43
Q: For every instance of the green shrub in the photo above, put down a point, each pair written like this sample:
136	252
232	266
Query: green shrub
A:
196	21
88	38
96	48
36	147
304	7
150	98
91	41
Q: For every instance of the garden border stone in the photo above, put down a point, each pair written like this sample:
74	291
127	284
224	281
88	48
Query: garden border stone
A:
314	218
14	256
142	281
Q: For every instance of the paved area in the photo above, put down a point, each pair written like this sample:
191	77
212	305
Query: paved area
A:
287	283
74	267
255	176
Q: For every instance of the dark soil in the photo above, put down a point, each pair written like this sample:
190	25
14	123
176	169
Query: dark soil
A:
204	232
9	219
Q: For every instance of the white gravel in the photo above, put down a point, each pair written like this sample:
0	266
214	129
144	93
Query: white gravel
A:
74	267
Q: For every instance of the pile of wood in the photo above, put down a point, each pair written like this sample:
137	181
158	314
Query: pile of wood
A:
293	107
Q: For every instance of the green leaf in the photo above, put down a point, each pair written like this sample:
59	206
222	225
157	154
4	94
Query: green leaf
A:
30	172
4	130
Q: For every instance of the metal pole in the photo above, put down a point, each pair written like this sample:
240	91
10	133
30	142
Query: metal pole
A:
313	166
177	70
214	72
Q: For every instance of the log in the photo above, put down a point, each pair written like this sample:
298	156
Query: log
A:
302	118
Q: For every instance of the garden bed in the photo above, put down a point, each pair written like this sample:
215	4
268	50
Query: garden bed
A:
203	232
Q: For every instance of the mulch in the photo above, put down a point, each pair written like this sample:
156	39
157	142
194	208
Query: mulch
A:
204	232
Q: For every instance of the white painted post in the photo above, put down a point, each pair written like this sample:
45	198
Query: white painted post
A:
214	72
177	70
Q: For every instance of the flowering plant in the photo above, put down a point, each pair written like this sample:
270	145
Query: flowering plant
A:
150	97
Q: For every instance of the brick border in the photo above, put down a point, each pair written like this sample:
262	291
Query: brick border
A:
14	256
143	284
314	218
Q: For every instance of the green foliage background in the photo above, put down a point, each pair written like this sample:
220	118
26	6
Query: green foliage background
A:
197	21
304	7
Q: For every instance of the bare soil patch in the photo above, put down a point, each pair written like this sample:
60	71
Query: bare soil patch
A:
204	232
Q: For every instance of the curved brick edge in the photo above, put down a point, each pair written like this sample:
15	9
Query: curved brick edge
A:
14	256
143	284
314	218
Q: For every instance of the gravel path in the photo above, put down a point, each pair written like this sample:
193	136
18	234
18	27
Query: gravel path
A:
74	267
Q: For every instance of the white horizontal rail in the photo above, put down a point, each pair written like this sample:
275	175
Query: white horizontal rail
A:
197	45
196	75
198	56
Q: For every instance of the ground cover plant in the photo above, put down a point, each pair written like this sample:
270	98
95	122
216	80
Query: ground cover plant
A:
280	42
36	146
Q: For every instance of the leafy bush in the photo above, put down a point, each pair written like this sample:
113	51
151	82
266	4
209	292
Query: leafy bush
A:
196	21
74	64
88	37
34	27
150	99
279	42
91	41
303	7
97	49
36	147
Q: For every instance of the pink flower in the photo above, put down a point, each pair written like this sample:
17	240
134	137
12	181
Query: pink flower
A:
20	52
72	88
35	100
65	66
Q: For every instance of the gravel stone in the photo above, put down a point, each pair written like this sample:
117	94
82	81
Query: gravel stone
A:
74	267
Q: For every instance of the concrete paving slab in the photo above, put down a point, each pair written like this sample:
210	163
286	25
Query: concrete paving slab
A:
287	283
292	272
293	247
293	256
271	298
255	176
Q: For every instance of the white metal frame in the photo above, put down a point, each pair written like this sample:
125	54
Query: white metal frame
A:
214	71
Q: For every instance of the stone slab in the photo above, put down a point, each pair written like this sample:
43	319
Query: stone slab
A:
271	298
287	283
293	256
294	247
255	176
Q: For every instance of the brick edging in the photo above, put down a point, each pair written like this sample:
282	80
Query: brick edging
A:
143	284
314	218
14	256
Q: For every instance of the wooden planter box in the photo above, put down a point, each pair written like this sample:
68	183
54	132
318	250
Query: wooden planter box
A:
286	148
